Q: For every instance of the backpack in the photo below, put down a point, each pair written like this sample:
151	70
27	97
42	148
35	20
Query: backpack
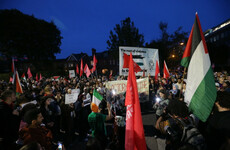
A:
191	135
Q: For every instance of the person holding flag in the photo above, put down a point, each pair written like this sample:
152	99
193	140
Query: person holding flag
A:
96	119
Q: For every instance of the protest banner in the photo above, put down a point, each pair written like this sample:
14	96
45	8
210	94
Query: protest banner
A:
119	87
144	57
31	102
75	91
71	74
71	98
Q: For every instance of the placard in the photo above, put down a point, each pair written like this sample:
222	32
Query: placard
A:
71	98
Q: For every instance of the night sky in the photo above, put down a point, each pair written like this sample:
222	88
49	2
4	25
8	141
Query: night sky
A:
85	24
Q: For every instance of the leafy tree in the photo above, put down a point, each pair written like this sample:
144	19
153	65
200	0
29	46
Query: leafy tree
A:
125	34
170	46
24	35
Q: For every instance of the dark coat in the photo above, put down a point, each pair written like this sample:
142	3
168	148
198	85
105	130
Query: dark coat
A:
9	125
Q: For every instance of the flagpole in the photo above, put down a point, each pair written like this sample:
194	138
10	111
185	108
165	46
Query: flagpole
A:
182	82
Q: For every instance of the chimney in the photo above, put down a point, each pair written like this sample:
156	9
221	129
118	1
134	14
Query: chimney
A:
93	51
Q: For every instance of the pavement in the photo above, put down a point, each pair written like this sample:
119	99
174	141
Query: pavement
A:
149	120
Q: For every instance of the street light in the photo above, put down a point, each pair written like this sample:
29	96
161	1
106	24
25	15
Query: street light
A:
181	43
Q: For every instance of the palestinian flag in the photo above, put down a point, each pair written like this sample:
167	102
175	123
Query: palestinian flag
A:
200	93
56	78
166	71
18	84
97	98
23	76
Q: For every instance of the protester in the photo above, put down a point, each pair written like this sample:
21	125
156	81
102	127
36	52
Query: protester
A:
218	130
10	121
179	127
35	132
96	121
162	103
74	122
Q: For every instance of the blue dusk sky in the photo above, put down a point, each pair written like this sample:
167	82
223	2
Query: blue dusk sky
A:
85	24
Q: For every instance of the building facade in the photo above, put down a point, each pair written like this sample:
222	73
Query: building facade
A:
218	42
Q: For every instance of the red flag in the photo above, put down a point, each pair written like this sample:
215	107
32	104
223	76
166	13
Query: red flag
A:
11	79
36	77
94	63
134	132
40	77
77	69
23	76
111	73
81	69
85	68
29	73
187	52
157	71
126	63
126	60
18	84
87	71
166	71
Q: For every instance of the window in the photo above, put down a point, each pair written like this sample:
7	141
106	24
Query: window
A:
211	40
70	65
217	37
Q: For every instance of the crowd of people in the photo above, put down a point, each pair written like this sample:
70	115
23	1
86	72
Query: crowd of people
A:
39	118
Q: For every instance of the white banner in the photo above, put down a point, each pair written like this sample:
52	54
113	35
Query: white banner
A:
71	98
120	87
71	74
75	91
87	102
144	57
31	102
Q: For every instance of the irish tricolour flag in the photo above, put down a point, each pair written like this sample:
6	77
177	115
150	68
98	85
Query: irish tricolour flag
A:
97	98
200	93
